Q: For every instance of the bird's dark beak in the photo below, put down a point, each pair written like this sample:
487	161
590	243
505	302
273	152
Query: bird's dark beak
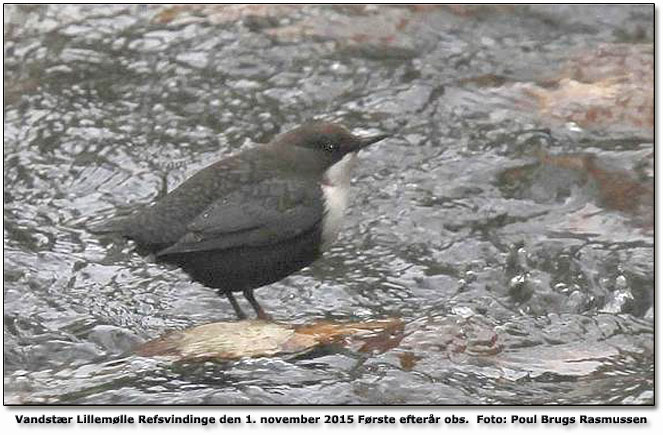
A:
366	141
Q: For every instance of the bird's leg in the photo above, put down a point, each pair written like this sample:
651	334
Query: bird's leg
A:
248	294
233	302
164	186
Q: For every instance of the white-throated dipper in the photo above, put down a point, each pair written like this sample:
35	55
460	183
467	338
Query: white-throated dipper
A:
256	217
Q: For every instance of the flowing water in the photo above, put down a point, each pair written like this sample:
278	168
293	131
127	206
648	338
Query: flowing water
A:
507	222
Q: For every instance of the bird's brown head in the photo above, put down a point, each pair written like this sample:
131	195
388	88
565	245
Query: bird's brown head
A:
329	142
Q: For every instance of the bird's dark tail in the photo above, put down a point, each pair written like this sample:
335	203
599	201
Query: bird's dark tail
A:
114	225
122	226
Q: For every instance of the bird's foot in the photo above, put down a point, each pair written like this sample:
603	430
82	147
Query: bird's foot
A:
262	315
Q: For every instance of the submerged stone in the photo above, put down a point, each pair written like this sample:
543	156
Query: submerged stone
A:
257	338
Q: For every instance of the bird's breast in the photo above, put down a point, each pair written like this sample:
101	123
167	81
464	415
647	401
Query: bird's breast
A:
335	188
336	201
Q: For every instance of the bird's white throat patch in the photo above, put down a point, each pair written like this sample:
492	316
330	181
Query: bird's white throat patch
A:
336	187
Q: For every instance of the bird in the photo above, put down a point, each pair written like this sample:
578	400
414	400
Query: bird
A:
255	217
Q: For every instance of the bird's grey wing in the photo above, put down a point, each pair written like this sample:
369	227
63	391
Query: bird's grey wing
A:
258	215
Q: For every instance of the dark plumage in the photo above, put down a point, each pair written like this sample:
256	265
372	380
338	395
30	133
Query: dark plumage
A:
253	218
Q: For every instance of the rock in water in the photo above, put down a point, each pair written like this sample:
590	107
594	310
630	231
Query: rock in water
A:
258	338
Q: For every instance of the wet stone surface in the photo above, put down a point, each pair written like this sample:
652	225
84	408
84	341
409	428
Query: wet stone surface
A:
507	223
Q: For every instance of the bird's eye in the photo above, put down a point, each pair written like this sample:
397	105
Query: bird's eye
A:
330	147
